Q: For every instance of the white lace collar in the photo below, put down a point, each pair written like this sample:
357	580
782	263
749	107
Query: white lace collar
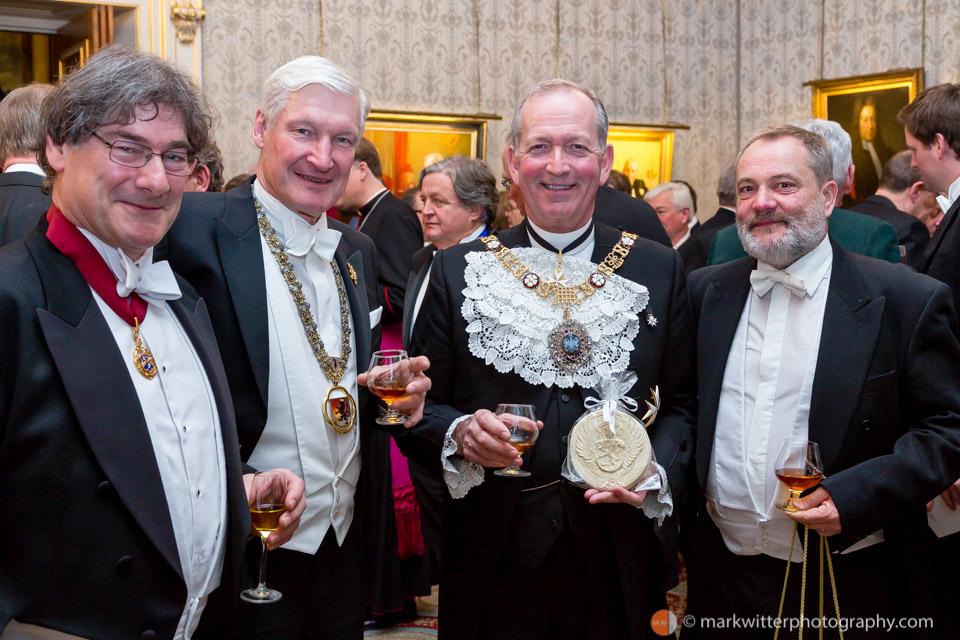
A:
509	325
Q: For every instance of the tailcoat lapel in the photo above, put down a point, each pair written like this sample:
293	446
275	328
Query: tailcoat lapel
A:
851	325
359	307
106	404
238	243
719	316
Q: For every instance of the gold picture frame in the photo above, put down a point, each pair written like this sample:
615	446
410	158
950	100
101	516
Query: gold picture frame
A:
866	107
643	153
406	142
73	58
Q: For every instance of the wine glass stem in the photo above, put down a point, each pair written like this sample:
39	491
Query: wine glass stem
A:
263	567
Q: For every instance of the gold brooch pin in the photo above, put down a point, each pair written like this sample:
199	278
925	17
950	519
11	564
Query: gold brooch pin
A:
352	273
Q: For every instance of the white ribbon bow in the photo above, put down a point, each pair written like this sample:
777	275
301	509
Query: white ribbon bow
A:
301	238
153	281
763	281
612	390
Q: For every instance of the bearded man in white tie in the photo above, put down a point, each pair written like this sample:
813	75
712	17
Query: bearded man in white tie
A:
804	341
293	300
122	498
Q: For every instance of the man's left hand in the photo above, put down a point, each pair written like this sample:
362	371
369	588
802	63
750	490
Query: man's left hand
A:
293	500
417	387
818	512
616	495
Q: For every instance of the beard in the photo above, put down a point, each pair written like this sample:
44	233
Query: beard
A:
805	230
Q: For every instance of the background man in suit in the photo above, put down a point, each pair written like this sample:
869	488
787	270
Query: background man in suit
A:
599	570
293	300
931	125
22	202
853	231
392	225
132	473
674	206
806	341
902	201
459	203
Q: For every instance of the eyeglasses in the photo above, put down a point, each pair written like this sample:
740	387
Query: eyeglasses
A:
134	155
506	183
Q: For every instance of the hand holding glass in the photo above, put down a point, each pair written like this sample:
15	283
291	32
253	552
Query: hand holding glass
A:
798	466
266	507
387	378
522	423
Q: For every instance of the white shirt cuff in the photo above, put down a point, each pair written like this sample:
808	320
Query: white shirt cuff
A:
460	474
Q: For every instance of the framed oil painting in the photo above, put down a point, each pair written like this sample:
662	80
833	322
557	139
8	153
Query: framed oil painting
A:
866	107
407	142
643	154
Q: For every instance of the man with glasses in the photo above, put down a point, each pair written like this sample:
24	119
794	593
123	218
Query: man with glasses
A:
122	498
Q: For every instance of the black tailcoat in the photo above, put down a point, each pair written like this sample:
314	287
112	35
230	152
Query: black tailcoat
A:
87	545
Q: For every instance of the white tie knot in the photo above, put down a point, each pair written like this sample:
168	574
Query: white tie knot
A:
302	238
763	281
153	281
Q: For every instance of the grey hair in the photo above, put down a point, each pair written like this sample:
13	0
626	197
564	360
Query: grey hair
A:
472	181
307	70
20	121
898	175
727	185
821	162
548	86
115	86
680	194
838	142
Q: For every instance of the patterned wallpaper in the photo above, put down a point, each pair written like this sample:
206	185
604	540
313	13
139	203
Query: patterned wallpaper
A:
731	67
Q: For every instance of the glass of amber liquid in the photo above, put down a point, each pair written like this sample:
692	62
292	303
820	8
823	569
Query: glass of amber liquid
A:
266	507
522	423
798	467
387	378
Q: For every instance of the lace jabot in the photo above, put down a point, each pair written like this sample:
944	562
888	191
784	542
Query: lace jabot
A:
509	325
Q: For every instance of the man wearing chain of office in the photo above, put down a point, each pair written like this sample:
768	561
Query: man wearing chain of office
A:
536	315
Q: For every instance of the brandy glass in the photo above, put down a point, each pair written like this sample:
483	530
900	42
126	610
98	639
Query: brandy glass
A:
387	378
266	507
522	423
798	467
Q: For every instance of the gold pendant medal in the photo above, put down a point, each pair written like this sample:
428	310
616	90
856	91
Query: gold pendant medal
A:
142	358
339	412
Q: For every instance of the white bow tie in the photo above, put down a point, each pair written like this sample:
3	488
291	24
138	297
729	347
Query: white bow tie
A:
153	281
302	238
763	281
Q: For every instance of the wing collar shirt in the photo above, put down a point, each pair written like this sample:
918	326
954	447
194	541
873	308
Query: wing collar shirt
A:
422	292
184	426
296	436
765	399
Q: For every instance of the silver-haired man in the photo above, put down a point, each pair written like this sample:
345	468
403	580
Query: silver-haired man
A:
293	300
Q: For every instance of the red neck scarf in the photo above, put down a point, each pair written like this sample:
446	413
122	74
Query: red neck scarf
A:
73	244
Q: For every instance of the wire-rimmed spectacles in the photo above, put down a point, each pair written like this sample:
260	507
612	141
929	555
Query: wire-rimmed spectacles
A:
135	155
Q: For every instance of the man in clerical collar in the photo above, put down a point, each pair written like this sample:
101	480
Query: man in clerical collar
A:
115	418
597	562
393	226
293	298
22	202
804	341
